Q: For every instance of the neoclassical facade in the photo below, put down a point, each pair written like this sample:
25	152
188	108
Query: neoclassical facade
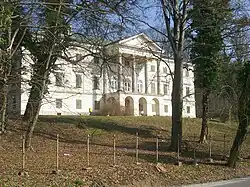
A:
134	78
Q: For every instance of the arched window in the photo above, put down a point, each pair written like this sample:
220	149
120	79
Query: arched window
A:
139	86
127	85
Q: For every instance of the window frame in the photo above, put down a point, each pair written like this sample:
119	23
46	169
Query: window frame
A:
59	104
77	104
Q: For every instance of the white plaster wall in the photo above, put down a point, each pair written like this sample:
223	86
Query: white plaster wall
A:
69	93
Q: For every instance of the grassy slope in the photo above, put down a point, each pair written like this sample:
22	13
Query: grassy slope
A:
73	132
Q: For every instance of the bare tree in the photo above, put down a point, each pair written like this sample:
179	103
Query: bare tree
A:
11	36
175	19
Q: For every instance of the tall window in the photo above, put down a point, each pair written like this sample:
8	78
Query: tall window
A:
165	89
188	109
78	57
187	73
59	79
187	91
152	68
95	83
127	85
152	88
97	105
78	104
58	103
165	70
113	83
78	80
139	86
166	108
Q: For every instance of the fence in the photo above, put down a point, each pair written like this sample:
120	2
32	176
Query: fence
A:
136	150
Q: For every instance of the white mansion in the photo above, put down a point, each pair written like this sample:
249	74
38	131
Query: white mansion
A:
138	82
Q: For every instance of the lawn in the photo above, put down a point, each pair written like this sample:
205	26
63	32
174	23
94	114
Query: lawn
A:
73	133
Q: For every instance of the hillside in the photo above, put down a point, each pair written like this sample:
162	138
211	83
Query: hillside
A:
73	133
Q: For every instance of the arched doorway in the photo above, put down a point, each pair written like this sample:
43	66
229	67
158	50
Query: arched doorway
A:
142	106
155	107
129	106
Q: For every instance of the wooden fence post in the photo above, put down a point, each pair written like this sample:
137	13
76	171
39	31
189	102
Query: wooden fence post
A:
88	151
114	152
157	150
23	153
57	153
137	148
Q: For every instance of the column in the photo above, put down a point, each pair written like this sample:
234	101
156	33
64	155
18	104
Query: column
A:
158	77
134	82
146	76
119	83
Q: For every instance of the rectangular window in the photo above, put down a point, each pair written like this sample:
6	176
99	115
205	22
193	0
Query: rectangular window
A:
78	57
153	107
78	80
165	89
166	108
126	63
165	70
153	88
78	104
187	73
96	83
97	105
152	69
59	79
58	103
187	91
188	109
96	60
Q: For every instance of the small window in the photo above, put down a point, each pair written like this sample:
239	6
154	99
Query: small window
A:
126	63
165	70
78	57
188	109
96	60
165	89
78	80
187	73
152	68
96	83
166	108
78	104
187	91
97	105
59	79
58	103
153	107
139	86
153	88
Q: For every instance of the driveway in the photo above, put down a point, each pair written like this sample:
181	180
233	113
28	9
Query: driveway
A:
240	182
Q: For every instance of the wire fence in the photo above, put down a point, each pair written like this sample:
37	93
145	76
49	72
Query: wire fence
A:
117	151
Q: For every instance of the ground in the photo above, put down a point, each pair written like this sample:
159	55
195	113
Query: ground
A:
72	153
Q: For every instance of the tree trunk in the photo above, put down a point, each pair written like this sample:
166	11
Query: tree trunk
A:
37	88
177	102
240	137
204	126
3	109
243	117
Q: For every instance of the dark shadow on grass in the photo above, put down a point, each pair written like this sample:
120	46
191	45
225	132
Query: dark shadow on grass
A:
97	122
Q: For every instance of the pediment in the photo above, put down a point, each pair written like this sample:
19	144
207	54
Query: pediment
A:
140	41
